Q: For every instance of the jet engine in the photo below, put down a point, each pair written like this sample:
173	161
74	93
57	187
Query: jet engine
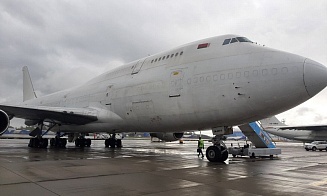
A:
167	137
4	122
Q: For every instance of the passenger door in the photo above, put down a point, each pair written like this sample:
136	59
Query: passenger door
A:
176	83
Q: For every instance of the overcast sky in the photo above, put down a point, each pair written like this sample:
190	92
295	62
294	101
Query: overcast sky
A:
66	43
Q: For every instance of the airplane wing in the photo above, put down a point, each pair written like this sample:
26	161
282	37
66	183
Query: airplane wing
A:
78	116
308	127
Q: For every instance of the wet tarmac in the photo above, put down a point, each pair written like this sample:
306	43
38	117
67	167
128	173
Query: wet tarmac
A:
145	168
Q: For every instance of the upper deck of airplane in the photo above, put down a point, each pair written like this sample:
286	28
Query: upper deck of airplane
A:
174	56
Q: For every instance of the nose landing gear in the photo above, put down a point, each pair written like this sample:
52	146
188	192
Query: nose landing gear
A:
218	151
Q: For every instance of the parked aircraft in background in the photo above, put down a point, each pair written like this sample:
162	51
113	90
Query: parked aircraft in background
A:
214	83
305	133
236	135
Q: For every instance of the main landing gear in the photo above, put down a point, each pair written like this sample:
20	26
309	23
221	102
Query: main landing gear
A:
81	141
58	142
218	151
38	141
113	142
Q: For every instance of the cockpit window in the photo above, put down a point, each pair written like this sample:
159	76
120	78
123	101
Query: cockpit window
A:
233	40
236	39
243	39
226	41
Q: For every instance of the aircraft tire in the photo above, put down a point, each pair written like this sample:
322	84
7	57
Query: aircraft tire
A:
213	154
224	154
112	142
106	143
34	143
52	142
88	142
63	142
77	142
118	143
43	143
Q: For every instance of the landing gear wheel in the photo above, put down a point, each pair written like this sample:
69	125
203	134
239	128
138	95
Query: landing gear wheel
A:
106	143
38	143
216	153
224	154
118	143
58	142
43	143
112	142
88	142
82	142
213	154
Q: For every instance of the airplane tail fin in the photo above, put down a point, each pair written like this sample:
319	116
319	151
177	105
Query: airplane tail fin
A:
28	90
271	121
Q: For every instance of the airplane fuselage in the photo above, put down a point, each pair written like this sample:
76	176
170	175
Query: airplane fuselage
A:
200	85
300	135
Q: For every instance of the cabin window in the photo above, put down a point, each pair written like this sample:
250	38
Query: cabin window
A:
167	56
201	79
155	60
171	56
159	59
163	58
274	71
181	53
230	76
176	54
152	61
284	70
264	72
246	74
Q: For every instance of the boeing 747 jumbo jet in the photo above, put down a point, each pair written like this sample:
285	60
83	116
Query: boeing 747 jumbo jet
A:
304	133
213	83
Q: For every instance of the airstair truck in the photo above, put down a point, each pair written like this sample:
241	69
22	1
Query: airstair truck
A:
263	145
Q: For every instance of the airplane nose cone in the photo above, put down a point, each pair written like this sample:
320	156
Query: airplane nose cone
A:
315	77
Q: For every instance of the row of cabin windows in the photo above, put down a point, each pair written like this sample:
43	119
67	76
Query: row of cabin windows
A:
166	57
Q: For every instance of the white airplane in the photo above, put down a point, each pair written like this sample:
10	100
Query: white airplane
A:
306	133
213	83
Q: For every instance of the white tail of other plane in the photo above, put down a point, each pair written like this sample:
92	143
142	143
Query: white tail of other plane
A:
28	90
271	121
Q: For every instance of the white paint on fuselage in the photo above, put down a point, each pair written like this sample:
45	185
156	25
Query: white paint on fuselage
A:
301	135
200	89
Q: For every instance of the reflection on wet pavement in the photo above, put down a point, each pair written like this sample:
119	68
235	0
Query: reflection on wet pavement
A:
145	168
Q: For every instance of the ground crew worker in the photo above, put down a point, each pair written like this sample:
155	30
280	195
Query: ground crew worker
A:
200	147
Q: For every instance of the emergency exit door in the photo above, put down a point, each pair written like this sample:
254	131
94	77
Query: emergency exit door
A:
137	67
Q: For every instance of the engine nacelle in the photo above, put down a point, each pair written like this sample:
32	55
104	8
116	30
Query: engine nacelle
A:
4	122
31	122
167	137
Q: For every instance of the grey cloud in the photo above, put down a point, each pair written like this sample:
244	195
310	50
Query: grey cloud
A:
303	111
65	43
